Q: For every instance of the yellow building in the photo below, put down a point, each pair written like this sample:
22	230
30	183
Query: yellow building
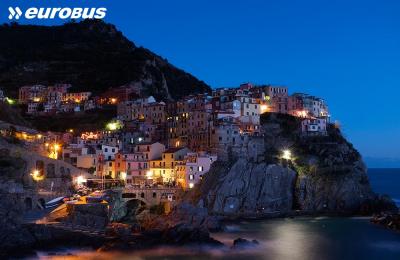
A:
164	170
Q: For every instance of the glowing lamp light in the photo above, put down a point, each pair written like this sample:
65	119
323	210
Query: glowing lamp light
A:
10	101
80	180
264	108
302	113
114	125
191	185
36	176
39	136
287	155
149	174
123	176
140	139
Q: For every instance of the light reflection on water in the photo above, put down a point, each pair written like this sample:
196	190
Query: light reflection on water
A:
299	238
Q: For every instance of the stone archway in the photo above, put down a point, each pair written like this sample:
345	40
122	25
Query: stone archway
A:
40	168
51	170
41	203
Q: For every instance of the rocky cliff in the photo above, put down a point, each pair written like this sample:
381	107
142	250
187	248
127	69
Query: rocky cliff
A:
326	175
91	55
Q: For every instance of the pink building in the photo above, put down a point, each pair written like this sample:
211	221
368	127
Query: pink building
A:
197	164
136	164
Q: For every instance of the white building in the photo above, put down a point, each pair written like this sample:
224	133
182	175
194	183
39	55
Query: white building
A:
313	106
314	126
33	107
196	166
2	98
109	152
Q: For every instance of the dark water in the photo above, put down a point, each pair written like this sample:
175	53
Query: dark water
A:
299	238
386	181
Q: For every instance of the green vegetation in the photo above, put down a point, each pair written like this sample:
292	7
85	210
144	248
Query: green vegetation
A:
83	121
311	154
12	114
11	166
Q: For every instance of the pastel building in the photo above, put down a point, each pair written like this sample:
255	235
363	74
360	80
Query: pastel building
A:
279	98
314	126
196	165
135	166
109	152
35	93
163	170
309	105
77	97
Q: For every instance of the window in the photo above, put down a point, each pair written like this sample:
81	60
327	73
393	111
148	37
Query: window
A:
191	176
200	168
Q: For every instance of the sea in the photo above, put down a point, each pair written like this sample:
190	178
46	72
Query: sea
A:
299	238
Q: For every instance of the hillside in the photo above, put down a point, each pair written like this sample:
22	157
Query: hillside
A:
91	55
12	115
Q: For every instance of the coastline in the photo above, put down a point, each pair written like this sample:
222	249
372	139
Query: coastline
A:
58	247
51	238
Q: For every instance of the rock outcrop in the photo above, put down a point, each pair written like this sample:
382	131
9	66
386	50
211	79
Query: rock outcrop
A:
391	221
251	189
94	215
325	175
185	214
242	243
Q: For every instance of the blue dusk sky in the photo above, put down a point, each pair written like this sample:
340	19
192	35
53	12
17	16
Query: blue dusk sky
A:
347	52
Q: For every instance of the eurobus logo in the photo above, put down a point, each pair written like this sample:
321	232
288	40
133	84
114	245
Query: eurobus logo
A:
15	13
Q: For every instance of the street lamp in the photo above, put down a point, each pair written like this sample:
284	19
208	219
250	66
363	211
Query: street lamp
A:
123	176
149	175
287	154
36	176
80	180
